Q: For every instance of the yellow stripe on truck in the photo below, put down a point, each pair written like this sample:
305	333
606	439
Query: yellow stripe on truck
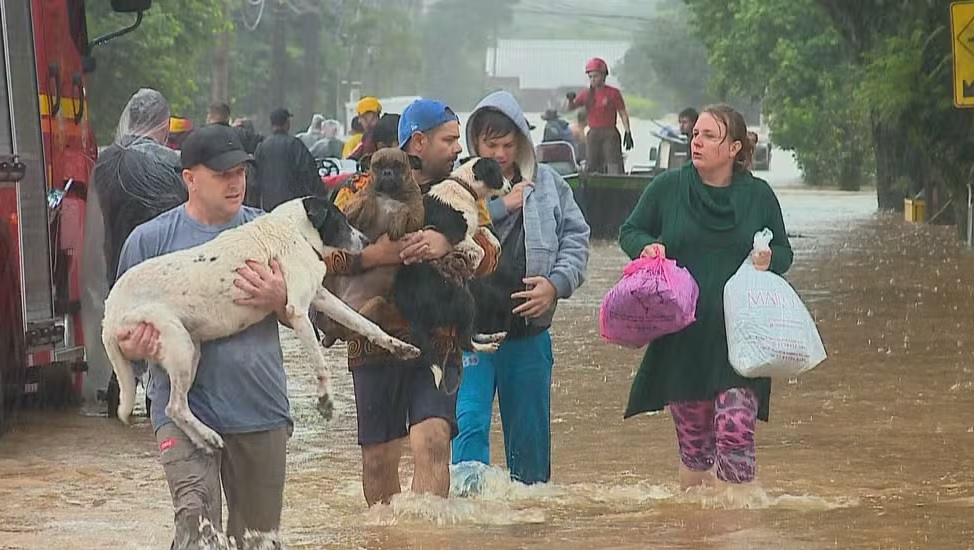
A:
68	107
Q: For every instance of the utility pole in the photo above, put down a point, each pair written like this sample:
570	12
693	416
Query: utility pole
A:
312	63
220	61
278	56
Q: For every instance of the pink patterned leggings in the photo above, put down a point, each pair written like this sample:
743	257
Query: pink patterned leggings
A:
719	430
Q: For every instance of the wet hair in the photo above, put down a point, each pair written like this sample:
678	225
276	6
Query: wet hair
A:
220	111
386	131
690	113
736	127
493	124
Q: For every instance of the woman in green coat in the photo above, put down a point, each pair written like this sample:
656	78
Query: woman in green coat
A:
704	215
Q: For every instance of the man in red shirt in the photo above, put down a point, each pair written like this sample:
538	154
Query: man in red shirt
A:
603	103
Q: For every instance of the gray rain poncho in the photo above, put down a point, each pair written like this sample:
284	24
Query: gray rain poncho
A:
313	134
329	146
134	180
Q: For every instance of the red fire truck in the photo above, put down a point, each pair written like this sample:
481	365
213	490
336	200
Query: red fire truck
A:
47	151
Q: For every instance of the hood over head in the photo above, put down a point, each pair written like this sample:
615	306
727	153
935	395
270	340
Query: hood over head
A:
506	103
316	122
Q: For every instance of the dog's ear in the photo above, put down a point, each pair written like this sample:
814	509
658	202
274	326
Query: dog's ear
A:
489	172
415	162
318	210
365	163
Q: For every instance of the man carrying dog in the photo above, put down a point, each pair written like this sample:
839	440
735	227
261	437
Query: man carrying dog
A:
240	388
395	400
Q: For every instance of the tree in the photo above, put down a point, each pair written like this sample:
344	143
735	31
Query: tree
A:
903	47
298	54
163	53
796	66
667	62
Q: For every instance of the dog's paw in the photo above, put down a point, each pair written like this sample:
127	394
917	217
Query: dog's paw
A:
326	407
208	440
491	347
328	340
456	267
402	350
496	337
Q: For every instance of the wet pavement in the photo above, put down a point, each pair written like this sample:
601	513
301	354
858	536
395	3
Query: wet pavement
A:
871	450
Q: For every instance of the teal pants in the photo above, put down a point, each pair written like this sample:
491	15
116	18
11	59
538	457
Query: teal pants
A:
520	374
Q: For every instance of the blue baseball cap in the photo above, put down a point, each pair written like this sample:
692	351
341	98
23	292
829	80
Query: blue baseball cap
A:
423	115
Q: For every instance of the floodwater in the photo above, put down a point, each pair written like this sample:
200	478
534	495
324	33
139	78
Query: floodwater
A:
871	450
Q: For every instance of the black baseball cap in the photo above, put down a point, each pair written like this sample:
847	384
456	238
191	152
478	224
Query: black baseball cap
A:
215	146
280	116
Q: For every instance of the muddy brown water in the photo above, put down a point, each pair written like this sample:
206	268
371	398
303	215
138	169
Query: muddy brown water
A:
872	449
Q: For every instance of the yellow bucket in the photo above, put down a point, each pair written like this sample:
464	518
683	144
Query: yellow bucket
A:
914	210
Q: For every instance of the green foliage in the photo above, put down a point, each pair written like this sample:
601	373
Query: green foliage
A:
373	44
667	62
797	66
162	53
640	107
858	90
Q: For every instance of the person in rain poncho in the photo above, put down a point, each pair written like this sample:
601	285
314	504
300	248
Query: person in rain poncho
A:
329	146
285	168
313	134
134	179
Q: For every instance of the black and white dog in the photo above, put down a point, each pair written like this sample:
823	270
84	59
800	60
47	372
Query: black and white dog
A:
434	295
189	297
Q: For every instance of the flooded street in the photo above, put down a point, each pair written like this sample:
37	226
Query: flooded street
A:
871	450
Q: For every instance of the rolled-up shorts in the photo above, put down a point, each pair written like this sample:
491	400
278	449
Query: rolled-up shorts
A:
393	396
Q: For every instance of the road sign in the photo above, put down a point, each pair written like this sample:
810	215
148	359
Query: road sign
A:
962	32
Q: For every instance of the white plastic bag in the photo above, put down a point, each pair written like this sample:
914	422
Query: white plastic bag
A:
769	330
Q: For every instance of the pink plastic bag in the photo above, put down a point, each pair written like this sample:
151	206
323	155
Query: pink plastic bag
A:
655	297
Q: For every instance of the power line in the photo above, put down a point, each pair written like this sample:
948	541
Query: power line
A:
581	15
260	14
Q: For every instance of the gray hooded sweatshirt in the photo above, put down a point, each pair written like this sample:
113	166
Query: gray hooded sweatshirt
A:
556	235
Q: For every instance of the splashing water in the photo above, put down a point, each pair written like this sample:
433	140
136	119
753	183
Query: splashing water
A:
212	538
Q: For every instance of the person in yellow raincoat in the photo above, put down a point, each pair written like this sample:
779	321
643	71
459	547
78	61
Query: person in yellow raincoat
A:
368	112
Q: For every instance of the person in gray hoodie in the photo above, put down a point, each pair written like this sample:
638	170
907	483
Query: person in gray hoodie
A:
545	248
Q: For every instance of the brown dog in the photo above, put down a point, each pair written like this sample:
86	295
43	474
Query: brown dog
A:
390	204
